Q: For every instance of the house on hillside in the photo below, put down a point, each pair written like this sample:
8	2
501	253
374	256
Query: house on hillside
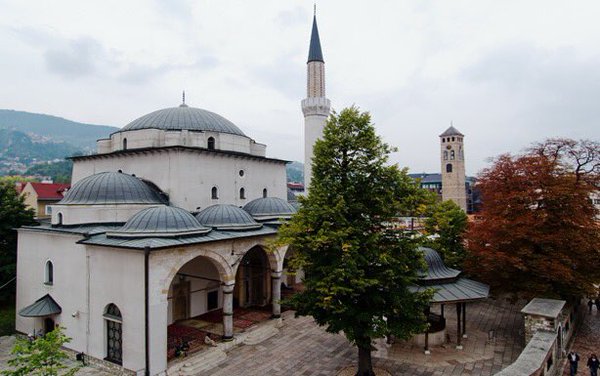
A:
40	196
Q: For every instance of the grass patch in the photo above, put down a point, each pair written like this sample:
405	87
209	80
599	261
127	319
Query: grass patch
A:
7	320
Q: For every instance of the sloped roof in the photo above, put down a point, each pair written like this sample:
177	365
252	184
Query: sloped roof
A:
314	51
451	132
49	191
44	306
448	285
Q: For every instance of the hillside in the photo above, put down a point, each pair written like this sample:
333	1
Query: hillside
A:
82	136
295	172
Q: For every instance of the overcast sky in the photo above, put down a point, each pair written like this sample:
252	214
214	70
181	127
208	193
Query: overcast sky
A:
506	73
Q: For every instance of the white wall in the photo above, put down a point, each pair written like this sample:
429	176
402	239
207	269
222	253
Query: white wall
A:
115	276
188	176
78	214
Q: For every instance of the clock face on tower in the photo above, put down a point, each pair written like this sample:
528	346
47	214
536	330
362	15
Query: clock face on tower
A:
448	147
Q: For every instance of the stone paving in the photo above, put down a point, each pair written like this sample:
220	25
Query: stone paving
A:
586	340
302	348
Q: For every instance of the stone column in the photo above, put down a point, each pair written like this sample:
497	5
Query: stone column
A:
458	326
276	294
464	318
228	312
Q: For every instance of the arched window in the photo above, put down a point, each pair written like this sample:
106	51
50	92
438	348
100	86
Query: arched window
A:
214	193
265	193
452	138
49	275
211	143
242	193
445	155
452	155
59	219
460	153
124	144
449	167
114	334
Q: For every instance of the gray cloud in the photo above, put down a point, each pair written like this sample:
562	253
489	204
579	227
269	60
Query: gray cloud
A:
75	59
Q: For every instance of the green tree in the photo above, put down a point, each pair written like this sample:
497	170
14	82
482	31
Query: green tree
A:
41	357
357	272
13	213
447	222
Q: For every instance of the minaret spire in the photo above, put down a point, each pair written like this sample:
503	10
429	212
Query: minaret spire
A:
316	105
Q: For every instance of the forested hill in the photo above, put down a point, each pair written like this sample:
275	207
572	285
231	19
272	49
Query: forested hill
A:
55	129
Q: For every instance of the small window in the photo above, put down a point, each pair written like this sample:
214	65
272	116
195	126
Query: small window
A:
449	167
241	172
452	138
212	300
445	155
114	334
48	210
124	144
265	193
214	193
451	155
49	278
242	193
211	143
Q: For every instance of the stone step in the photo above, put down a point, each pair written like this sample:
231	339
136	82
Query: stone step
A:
260	334
203	362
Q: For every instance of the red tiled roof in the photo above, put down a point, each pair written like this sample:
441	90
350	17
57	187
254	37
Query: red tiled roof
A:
50	191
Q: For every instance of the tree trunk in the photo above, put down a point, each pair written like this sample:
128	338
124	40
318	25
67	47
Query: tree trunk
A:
365	366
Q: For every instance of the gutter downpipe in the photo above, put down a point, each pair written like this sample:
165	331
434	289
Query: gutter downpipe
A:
146	324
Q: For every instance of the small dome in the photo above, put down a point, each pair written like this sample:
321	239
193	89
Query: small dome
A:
269	208
160	221
111	188
184	117
227	217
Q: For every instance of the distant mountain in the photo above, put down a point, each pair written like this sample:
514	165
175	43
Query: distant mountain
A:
55	129
295	172
20	146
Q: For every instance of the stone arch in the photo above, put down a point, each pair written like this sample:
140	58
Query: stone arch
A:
274	257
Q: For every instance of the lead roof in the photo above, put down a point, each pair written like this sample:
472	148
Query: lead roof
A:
184	117
111	188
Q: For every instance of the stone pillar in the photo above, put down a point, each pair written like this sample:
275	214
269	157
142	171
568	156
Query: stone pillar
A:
228	312
464	318
276	294
458	326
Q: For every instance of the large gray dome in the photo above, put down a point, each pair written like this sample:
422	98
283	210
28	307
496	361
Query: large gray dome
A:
111	188
227	217
161	221
269	208
184	117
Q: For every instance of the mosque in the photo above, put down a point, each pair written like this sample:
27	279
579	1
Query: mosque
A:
171	218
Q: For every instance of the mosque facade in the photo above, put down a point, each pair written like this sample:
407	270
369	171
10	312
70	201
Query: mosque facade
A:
171	218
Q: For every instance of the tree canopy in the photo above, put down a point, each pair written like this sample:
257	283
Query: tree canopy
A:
357	272
448	223
538	235
42	356
13	213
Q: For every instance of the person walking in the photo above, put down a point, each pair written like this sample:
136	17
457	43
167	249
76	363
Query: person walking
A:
593	363
573	362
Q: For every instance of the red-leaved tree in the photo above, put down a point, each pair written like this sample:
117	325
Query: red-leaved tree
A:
539	233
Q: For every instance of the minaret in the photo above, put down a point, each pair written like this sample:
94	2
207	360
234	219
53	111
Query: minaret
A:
452	155
315	106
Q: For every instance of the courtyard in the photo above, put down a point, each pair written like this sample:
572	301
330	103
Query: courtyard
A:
494	340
